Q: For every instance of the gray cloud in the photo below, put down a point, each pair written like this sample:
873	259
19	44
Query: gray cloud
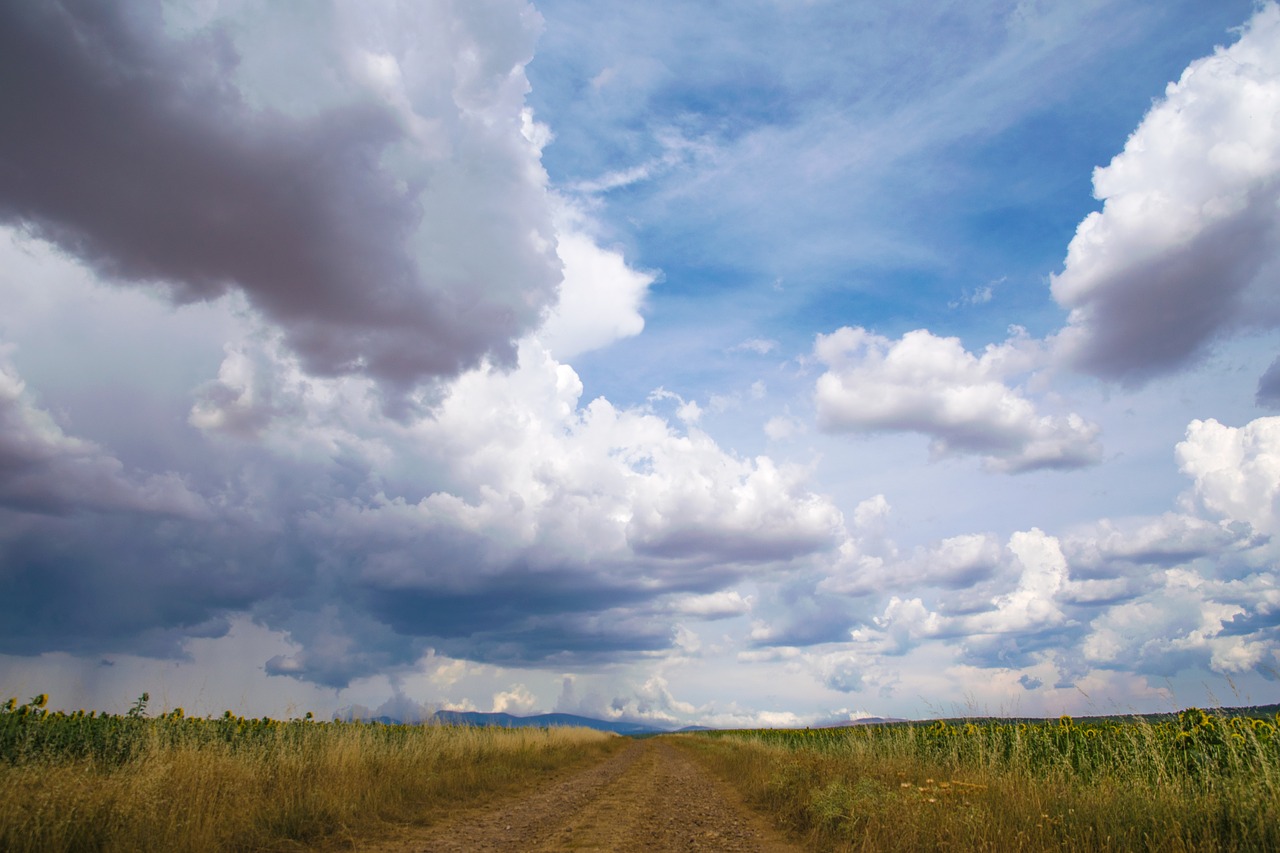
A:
44	470
1107	550
300	521
1269	387
136	584
137	153
1158	315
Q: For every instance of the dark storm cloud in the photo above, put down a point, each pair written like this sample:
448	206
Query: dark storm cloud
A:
138	155
523	618
96	559
129	584
354	630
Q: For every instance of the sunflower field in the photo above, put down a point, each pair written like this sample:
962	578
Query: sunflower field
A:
1198	780
173	782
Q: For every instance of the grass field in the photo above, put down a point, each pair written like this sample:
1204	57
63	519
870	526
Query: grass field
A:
1197	781
1200	781
88	781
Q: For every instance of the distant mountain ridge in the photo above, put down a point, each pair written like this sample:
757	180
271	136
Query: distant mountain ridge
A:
479	718
861	721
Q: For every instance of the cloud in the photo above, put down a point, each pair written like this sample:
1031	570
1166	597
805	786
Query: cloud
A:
1236	470
386	210
1268	394
1108	549
600	299
649	701
960	561
716	605
550	530
931	385
782	427
397	707
759	346
1032	605
872	565
44	470
977	296
516	700
1188	622
1192	590
1185	248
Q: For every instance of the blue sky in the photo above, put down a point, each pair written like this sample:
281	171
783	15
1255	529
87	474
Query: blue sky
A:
757	363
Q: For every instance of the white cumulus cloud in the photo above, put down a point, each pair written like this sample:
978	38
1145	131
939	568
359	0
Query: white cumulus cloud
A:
933	385
1187	245
1236	470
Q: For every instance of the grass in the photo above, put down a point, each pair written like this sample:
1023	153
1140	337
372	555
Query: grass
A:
101	782
1199	782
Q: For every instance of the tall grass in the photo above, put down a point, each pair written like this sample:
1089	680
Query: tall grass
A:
1202	782
172	783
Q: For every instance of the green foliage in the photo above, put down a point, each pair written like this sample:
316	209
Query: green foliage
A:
1198	747
1199	780
30	733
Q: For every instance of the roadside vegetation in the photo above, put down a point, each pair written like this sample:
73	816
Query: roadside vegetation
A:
103	782
1200	781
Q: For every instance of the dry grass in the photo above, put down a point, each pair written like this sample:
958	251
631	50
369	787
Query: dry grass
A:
197	785
899	789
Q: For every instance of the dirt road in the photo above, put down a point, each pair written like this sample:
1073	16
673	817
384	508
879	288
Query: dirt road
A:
648	797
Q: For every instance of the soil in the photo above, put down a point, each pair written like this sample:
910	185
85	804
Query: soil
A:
647	797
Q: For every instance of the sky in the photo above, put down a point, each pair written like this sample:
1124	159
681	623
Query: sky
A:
764	363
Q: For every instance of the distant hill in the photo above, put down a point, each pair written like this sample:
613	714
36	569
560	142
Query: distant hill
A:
477	718
862	721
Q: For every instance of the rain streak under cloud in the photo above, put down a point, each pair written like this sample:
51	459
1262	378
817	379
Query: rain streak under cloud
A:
477	355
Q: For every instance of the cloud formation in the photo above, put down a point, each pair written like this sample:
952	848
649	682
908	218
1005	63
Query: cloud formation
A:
932	385
1236	470
292	304
1153	596
1187	245
600	299
44	470
387	211
1268	393
550	530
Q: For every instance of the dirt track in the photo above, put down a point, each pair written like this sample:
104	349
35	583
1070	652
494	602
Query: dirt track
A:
648	797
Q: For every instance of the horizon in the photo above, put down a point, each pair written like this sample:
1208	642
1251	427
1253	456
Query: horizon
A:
362	714
741	365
